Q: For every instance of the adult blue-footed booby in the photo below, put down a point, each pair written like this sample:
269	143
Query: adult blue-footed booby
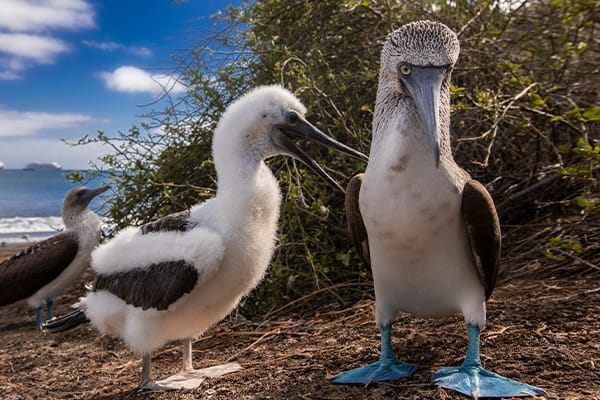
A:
433	233
41	272
174	278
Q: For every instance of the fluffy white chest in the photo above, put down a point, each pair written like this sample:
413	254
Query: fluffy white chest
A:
420	254
231	249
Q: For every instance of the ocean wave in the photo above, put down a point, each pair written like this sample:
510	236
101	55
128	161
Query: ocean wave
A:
31	224
17	229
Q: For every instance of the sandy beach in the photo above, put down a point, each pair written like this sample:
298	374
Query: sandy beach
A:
8	249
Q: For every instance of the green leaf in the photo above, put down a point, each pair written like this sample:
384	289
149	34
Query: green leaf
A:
592	114
584	202
537	101
554	240
456	89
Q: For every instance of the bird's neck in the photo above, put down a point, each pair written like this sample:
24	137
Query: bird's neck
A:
249	193
397	123
85	222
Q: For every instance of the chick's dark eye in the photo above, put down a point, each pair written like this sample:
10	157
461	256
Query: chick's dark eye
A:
292	118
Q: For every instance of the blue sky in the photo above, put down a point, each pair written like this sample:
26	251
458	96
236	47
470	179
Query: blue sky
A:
72	67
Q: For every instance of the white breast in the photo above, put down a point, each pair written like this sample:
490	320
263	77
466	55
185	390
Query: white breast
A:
420	254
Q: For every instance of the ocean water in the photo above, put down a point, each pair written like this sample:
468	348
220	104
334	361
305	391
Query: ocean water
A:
31	202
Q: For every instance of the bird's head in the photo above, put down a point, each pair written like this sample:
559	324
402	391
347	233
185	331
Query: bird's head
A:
77	199
264	123
418	59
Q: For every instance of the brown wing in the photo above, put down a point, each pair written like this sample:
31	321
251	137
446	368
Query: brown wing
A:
172	222
156	286
356	227
31	269
483	228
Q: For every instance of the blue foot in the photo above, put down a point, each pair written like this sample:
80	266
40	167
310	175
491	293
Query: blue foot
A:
385	369
472	380
477	382
382	370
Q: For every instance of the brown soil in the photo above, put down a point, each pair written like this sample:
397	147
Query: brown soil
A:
543	332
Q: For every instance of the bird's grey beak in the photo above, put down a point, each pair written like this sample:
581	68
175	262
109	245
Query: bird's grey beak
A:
424	85
88	194
302	129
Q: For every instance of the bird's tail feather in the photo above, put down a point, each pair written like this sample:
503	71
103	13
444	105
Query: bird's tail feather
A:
66	322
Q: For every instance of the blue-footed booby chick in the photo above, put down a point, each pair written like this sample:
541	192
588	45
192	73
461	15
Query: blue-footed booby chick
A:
174	278
44	270
428	230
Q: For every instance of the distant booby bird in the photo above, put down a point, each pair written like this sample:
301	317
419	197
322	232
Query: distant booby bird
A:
41	272
433	233
174	278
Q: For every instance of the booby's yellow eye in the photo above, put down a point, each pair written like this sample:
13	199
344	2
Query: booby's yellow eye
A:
404	69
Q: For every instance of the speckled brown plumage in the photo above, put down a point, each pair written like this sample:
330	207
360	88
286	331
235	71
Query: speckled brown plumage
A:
483	229
24	273
356	227
423	40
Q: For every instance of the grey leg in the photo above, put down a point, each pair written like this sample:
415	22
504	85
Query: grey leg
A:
146	370
189	378
187	355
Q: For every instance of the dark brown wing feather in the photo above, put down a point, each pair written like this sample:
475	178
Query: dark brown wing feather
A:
173	222
31	269
356	227
156	286
483	228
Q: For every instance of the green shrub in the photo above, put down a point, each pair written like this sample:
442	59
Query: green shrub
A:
525	111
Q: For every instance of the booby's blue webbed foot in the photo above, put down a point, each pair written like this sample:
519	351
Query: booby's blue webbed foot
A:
382	370
473	380
387	368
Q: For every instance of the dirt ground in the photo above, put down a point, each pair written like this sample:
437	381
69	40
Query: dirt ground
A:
543	332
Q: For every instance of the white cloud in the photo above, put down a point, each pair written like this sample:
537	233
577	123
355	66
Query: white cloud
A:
9	75
25	27
105	46
25	123
39	16
112	46
132	79
140	51
25	46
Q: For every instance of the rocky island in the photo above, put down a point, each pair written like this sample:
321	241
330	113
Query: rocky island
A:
38	166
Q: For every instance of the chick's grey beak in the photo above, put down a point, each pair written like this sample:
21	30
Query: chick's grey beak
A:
88	194
424	85
302	129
